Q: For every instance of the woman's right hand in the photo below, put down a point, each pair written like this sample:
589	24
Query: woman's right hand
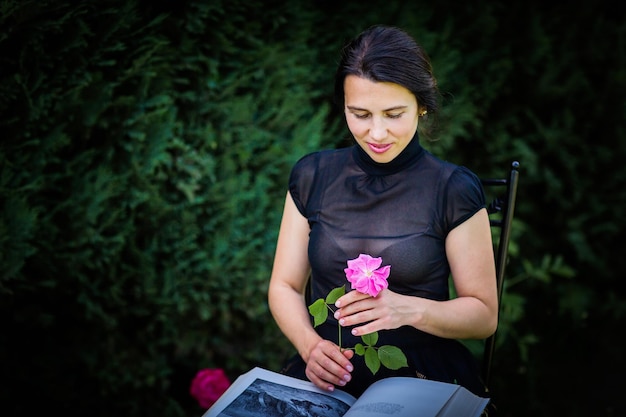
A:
328	366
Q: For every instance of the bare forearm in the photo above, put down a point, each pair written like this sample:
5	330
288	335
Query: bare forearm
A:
460	318
291	314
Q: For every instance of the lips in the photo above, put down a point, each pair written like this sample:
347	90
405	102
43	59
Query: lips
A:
379	148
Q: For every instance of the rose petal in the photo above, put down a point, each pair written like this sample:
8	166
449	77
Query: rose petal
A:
371	263
365	275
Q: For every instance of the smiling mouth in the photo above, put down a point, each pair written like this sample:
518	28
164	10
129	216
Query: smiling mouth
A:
379	148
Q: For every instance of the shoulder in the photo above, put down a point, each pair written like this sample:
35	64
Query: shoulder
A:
451	174
464	181
459	191
325	156
310	171
311	163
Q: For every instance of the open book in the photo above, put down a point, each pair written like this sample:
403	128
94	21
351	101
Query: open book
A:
260	392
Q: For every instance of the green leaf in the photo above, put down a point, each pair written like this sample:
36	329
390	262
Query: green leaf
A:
334	295
371	359
392	357
359	349
319	312
370	339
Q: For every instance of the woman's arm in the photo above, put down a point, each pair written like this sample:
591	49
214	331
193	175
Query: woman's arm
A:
472	315
290	274
327	365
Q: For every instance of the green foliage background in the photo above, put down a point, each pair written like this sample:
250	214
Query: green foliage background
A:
144	156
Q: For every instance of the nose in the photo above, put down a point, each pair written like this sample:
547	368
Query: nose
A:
378	130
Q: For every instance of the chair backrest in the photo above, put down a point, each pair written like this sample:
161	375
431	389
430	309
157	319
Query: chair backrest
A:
501	210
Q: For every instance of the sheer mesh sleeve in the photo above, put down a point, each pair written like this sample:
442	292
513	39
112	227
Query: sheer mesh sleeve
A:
464	197
302	179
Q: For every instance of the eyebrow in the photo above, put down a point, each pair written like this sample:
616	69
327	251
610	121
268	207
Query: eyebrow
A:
354	108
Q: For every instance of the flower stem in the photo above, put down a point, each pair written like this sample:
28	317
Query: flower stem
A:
339	329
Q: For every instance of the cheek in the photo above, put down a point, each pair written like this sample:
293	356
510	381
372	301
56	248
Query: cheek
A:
356	127
407	128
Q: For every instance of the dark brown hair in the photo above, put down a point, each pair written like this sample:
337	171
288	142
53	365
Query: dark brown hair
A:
388	54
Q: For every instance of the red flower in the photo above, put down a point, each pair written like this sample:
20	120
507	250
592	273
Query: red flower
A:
208	385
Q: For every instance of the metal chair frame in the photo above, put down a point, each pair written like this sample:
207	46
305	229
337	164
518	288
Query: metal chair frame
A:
503	204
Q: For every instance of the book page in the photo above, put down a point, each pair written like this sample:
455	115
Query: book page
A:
464	403
260	392
411	397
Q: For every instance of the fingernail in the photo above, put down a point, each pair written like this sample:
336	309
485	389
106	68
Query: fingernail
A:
337	304
349	368
354	332
342	321
342	383
336	315
346	378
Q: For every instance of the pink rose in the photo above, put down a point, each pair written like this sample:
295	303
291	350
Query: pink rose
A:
208	385
365	275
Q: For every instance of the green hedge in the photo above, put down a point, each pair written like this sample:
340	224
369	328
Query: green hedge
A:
142	183
143	166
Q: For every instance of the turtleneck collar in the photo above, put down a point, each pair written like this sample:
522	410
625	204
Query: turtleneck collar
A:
410	154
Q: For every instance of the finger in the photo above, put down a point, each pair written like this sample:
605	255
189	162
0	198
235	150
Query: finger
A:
342	359
353	308
336	367
314	377
343	370
349	298
327	364
348	318
363	330
326	379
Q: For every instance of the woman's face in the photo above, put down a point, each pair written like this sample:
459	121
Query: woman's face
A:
382	116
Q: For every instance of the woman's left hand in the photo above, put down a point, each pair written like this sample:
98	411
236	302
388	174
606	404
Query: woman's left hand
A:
385	311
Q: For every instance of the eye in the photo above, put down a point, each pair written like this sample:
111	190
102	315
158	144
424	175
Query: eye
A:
361	115
394	115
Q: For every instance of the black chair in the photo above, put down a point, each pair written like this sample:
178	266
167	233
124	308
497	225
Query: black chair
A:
501	210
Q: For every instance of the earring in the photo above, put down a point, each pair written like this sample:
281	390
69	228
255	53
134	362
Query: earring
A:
423	112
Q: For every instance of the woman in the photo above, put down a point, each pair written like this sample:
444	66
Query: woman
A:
388	197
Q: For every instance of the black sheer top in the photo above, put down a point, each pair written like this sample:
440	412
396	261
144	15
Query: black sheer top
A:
401	211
